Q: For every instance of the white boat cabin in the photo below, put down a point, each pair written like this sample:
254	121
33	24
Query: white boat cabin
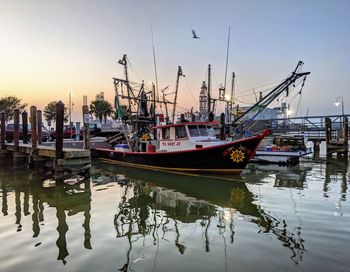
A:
186	136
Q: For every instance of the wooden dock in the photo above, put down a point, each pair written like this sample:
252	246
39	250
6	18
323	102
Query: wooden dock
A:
62	160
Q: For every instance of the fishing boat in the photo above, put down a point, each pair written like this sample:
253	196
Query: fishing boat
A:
185	147
282	149
150	141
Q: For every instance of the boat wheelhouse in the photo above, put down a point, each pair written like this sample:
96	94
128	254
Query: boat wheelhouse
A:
187	135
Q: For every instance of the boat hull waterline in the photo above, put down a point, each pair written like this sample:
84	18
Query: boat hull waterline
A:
231	157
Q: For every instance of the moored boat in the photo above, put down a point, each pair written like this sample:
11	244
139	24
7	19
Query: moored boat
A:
282	149
185	147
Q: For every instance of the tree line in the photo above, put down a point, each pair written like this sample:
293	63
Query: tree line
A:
101	109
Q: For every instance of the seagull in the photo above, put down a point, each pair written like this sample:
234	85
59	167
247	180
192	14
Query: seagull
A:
194	35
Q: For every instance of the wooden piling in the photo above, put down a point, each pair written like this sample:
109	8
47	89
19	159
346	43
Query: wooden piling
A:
59	130
337	143
15	131
59	171
346	136
316	153
86	127
34	135
40	126
25	127
3	130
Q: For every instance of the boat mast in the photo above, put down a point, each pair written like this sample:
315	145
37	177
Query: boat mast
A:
232	97
179	73
165	102
153	114
227	104
124	63
155	64
227	51
209	88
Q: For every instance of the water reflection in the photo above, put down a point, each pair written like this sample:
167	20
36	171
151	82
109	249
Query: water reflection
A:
70	199
161	201
336	169
159	211
285	176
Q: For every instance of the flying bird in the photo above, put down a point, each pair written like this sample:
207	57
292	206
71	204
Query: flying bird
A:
195	35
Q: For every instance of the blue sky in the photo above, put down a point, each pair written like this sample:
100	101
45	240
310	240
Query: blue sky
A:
51	48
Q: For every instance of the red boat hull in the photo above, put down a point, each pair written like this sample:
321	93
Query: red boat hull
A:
231	157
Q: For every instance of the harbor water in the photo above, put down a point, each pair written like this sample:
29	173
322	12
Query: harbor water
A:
270	218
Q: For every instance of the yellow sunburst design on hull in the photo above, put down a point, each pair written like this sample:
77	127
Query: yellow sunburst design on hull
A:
237	155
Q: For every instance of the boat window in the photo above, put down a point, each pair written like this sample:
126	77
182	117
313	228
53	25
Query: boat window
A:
180	132
166	133
203	130
193	130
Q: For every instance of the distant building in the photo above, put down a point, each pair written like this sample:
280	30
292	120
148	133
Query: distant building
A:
100	96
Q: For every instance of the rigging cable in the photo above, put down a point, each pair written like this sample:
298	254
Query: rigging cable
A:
190	91
132	68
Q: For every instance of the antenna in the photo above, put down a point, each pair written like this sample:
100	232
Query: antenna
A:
154	62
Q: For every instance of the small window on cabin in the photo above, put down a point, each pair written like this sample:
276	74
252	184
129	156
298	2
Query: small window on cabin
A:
166	133
203	130
193	130
180	132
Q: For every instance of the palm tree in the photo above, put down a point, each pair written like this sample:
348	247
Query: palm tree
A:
101	109
9	103
50	112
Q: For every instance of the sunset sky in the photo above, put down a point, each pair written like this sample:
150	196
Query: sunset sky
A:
49	49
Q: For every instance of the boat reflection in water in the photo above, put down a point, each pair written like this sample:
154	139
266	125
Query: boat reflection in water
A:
131	216
161	201
285	176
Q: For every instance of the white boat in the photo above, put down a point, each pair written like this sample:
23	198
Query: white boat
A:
282	149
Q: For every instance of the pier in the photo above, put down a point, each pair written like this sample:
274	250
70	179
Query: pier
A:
56	157
332	129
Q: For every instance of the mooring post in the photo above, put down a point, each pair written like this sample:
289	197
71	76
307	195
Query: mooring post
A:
40	126
59	140
86	136
25	127
328	132
86	118
34	135
346	137
15	132
3	130
316	148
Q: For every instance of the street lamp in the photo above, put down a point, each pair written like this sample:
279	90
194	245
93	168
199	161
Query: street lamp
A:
337	103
